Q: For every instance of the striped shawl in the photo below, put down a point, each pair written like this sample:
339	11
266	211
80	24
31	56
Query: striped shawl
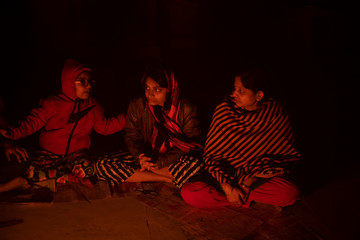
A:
242	144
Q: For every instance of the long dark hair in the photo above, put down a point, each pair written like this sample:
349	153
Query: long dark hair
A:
158	72
253	79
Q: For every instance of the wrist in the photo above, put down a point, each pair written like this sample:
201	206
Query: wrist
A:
227	188
244	186
249	181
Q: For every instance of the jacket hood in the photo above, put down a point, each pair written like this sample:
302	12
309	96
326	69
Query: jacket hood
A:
70	72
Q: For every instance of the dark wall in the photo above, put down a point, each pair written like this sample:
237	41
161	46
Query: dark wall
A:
306	46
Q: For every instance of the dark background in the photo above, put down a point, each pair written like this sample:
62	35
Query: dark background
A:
307	48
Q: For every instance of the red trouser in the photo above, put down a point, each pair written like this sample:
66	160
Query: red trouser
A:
277	191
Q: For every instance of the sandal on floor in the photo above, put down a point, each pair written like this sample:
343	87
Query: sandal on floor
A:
148	188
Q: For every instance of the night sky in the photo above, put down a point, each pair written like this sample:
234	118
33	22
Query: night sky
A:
305	46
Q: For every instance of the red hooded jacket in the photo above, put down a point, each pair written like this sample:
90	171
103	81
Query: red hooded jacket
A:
60	133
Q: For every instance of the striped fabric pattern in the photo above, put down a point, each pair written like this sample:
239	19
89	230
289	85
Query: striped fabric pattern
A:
118	167
241	144
184	168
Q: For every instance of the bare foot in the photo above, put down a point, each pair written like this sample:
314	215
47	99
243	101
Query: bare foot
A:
18	182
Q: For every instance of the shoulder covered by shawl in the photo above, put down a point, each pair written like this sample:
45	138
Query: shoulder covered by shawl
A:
228	106
252	142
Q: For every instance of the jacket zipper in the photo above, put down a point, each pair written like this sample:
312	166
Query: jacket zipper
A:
75	124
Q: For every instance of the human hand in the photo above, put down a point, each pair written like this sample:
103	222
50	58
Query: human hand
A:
271	173
18	182
235	195
4	133
145	163
20	153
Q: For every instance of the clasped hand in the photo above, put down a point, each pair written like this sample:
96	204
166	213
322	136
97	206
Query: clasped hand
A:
4	133
146	164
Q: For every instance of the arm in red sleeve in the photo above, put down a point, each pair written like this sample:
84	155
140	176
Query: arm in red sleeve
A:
33	122
107	126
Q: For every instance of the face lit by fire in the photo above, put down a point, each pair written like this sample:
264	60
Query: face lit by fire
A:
245	98
83	85
154	93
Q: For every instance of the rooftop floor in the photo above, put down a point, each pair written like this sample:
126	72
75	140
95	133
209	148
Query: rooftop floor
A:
78	212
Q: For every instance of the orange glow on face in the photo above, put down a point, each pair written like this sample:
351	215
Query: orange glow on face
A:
154	93
243	97
83	91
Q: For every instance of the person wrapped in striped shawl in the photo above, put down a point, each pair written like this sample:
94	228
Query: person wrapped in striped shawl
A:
248	151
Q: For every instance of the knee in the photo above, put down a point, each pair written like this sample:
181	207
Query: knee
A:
288	194
189	192
99	168
291	196
192	193
277	191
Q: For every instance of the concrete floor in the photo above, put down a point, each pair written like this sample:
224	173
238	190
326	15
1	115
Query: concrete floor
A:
112	218
129	214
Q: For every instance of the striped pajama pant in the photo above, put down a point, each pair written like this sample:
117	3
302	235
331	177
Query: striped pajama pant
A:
118	167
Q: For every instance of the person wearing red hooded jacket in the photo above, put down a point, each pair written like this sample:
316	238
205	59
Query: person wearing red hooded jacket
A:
66	122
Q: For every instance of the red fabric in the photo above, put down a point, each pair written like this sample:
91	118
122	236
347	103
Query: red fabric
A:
277	191
53	114
170	117
73	179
